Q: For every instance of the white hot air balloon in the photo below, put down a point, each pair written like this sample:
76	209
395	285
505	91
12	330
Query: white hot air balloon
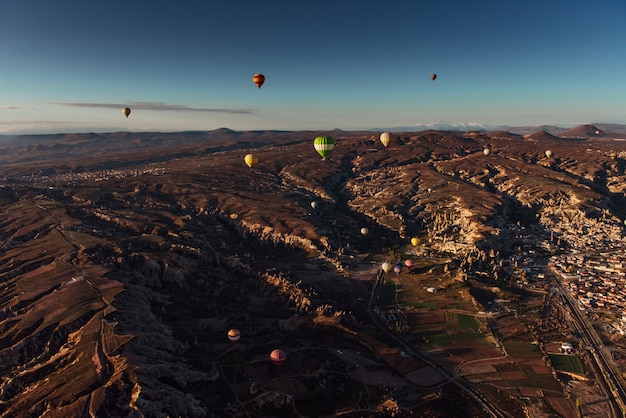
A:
385	139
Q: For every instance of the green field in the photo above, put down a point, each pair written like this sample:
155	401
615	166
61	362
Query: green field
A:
567	363
387	294
468	322
431	306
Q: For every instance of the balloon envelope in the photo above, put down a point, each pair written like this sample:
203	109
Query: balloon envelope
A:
314	204
433	77
386	266
364	231
486	151
278	356
251	160
415	241
397	268
408	264
258	79
234	334
385	138
126	111
548	153
324	145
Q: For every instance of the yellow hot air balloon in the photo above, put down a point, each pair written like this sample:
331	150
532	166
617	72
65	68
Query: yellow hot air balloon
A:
126	111
548	153
486	151
386	266
385	138
364	231
251	160
415	241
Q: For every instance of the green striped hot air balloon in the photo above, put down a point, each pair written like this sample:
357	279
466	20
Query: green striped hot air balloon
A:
324	145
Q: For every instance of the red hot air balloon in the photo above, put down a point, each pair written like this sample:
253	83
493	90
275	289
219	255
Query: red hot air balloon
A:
409	264
278	356
258	79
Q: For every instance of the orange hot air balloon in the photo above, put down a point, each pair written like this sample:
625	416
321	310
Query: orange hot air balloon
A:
433	76
126	111
258	79
409	264
234	334
278	356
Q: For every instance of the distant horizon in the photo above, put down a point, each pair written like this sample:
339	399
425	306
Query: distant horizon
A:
461	127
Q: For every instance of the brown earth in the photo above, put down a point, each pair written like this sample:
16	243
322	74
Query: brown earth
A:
126	258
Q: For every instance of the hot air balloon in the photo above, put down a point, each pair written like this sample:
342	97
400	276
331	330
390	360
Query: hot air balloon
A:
486	151
612	155
386	266
258	79
433	76
126	111
234	334
251	160
548	153
278	356
409	264
415	241
385	138
364	231
324	145
314	205
598	132
397	269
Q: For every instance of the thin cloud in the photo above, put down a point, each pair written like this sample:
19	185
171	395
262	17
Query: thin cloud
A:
157	106
11	107
33	123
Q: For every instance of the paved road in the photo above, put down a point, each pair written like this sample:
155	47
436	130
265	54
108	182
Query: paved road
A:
602	366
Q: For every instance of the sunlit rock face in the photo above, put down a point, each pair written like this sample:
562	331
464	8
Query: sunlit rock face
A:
125	261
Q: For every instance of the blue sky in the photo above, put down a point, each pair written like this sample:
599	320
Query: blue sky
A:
70	66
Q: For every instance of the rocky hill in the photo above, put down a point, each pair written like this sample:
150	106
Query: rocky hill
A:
126	257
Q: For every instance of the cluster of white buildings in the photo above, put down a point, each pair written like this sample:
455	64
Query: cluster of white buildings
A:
596	279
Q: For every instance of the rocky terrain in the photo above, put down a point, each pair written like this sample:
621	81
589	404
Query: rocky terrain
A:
125	258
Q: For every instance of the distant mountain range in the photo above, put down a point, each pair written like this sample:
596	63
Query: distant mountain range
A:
577	131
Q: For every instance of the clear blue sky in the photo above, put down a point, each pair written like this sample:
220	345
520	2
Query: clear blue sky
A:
68	66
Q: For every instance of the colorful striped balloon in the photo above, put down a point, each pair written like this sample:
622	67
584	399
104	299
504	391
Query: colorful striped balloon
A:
324	145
